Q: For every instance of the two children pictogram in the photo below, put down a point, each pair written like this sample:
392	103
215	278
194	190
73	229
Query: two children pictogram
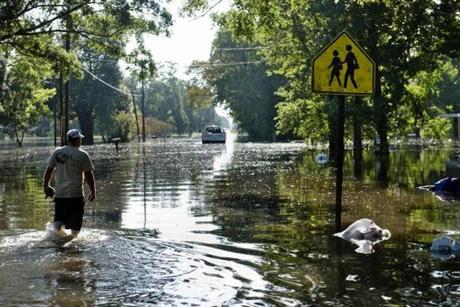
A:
336	64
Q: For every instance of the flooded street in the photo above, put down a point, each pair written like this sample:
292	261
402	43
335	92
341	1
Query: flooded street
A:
178	223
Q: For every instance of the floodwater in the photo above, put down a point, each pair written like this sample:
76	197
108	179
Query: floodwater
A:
178	223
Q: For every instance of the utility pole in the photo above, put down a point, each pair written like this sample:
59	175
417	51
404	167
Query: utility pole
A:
56	101
61	107
135	116
67	81
143	111
64	85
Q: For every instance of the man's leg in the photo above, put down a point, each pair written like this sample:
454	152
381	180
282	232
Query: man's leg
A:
58	225
59	213
78	209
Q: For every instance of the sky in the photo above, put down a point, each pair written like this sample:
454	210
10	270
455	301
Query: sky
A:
190	38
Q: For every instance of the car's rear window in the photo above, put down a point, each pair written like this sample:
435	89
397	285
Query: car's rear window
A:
213	129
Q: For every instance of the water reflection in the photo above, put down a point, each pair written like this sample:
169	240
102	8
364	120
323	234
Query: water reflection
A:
68	284
167	205
178	222
453	164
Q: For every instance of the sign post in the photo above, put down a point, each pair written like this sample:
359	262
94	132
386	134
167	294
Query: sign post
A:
342	68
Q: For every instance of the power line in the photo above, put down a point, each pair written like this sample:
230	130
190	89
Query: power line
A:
226	64
209	9
240	48
195	65
107	84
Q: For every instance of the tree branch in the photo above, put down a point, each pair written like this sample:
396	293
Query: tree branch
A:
44	23
208	10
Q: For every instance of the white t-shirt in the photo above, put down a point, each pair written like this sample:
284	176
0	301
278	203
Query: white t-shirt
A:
70	163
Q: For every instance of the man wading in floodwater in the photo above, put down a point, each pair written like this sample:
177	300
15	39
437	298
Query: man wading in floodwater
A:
72	165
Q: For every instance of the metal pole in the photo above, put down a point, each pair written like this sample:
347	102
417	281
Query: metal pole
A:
340	153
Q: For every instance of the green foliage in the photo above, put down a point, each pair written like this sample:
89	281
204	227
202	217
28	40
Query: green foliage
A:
428	95
58	32
123	126
191	6
436	128
96	103
403	37
199	97
168	101
105	24
141	63
199	93
23	94
237	77
168	106
156	127
296	118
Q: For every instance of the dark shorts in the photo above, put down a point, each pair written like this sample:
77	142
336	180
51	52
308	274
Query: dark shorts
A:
69	211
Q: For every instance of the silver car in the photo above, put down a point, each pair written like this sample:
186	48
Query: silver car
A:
213	134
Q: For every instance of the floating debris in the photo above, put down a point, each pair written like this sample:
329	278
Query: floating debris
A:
364	233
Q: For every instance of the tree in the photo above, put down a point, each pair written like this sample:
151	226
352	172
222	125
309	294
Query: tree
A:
428	95
166	100
94	101
122	126
403	37
238	79
29	26
24	93
143	68
40	28
176	96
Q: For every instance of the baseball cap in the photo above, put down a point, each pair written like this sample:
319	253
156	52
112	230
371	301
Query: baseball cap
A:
74	134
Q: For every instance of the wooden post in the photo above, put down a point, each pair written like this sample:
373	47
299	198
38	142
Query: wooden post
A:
143	111
61	108
135	116
55	114
67	81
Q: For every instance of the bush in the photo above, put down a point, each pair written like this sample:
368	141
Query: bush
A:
437	128
156	127
123	126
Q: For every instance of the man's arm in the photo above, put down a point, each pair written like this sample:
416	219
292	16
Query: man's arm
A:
89	176
49	191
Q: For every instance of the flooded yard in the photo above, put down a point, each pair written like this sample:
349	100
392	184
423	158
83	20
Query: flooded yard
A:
178	223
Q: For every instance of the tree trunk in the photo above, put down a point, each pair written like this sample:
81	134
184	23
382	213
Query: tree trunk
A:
455	126
87	126
383	165
19	136
380	116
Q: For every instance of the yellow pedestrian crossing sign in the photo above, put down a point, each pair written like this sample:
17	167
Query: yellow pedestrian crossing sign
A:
343	68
